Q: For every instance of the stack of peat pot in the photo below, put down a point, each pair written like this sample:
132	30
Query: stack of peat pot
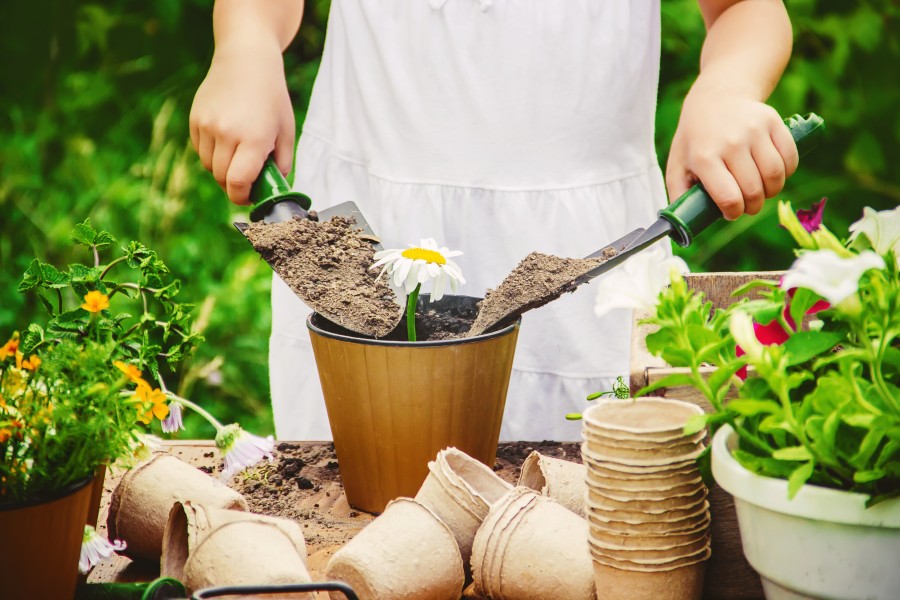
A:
646	502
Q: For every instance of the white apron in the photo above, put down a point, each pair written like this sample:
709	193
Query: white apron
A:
497	128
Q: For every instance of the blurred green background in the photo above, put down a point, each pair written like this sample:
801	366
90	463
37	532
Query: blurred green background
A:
94	102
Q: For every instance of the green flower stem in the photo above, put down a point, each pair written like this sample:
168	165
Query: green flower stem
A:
111	265
184	401
411	301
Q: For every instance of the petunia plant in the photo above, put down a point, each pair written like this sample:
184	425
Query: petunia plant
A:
407	269
821	401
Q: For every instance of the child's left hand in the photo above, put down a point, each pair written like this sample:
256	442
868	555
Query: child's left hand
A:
737	146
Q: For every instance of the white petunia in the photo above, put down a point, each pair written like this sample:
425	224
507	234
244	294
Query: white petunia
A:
829	275
882	229
637	282
409	268
242	449
94	548
174	421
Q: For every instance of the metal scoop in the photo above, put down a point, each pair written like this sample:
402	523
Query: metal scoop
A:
275	202
682	220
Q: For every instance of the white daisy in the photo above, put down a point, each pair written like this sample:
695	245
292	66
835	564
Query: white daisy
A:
242	449
409	268
94	548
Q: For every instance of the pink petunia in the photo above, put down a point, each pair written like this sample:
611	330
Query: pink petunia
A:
811	218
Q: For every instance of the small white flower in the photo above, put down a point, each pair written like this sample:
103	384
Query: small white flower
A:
145	445
741	326
882	228
829	275
173	422
416	265
242	449
637	282
94	548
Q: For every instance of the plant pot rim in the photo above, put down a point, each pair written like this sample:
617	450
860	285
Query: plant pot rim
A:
49	496
313	327
811	502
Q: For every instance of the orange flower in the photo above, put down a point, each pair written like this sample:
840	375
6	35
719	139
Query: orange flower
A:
131	371
10	347
4	435
157	401
95	301
30	364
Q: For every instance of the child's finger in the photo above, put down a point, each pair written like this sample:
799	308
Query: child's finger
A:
284	149
222	159
787	147
206	149
771	166
723	188
245	166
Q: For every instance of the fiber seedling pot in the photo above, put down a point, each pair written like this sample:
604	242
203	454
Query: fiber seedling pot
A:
639	486
393	405
407	553
562	480
601	501
189	524
246	553
615	522
140	505
680	583
42	542
659	419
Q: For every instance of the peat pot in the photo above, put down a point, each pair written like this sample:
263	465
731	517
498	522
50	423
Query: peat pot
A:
824	543
393	404
42	542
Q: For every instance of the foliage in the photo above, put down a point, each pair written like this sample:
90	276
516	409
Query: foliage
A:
824	403
93	118
60	418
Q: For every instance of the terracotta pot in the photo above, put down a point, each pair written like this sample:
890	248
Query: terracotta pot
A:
96	494
245	553
393	405
42	543
189	524
407	553
562	480
460	491
140	504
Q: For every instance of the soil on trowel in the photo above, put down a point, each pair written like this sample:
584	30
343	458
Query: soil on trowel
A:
327	265
303	483
536	280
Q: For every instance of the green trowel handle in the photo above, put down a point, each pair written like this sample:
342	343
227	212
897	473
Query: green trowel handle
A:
164	588
694	211
269	189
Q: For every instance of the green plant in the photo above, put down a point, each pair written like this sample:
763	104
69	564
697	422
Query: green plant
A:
823	402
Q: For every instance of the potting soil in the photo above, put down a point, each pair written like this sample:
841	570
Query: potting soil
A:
536	280
327	265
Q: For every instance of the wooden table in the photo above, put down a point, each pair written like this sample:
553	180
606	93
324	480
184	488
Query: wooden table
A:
333	522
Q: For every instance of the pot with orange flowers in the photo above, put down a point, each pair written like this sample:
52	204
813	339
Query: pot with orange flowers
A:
74	398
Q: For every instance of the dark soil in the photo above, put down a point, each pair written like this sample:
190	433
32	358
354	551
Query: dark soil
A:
327	266
537	280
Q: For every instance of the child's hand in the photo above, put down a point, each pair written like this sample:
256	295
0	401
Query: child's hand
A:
241	114
737	146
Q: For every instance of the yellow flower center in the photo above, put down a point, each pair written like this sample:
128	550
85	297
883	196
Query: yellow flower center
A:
429	256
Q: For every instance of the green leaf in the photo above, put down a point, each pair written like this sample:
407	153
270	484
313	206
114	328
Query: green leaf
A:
802	301
752	285
31	337
869	476
862	420
44	275
804	345
792	453
799	477
695	424
86	235
749	408
669	381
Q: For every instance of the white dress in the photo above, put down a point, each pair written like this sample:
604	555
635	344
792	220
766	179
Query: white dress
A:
498	128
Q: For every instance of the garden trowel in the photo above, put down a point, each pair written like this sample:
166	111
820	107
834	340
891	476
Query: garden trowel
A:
275	202
682	220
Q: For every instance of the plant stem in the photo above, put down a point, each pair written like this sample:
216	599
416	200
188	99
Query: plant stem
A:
111	265
411	301
197	409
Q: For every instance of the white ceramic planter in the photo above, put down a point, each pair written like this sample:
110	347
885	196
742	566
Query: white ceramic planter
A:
823	544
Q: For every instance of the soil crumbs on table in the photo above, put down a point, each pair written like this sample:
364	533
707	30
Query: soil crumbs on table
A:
327	265
303	483
536	280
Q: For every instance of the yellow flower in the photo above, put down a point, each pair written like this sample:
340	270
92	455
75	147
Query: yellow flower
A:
157	401
4	435
10	347
95	301
131	371
30	364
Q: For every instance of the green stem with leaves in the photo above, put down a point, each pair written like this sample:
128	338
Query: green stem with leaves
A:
411	302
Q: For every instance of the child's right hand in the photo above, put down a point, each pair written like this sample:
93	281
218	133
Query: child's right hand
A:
241	114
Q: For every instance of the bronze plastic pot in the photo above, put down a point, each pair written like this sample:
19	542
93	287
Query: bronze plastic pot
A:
43	539
393	405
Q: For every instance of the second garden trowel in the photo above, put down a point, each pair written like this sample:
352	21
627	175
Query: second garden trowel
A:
275	202
682	220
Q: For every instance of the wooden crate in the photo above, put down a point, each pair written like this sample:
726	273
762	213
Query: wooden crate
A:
728	576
